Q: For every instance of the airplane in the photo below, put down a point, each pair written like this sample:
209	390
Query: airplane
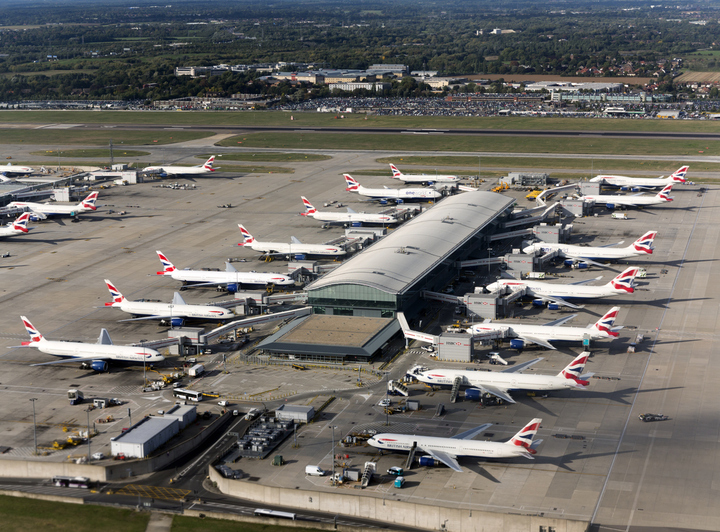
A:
522	334
635	200
18	227
96	355
349	217
447	450
176	312
182	170
295	247
396	194
499	383
642	182
556	294
40	211
15	171
422	178
230	277
582	254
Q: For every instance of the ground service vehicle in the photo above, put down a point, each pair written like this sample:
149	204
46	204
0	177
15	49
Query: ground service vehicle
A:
262	512
196	370
75	396
185	394
314	471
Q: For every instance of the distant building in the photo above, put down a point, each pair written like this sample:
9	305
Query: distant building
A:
349	87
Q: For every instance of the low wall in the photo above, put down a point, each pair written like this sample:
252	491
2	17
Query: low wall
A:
270	521
422	516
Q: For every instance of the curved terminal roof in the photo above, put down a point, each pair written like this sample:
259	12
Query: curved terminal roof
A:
399	260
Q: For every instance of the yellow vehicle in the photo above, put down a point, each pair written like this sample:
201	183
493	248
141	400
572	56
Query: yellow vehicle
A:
501	187
533	195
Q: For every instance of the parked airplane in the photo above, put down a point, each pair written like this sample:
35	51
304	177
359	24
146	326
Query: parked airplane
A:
447	450
18	227
556	294
635	200
422	178
349	217
96	355
230	277
499	383
642	182
177	311
523	334
182	170
43	210
15	171
575	254
395	194
295	247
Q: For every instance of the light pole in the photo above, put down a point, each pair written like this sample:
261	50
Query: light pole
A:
142	344
34	424
489	250
332	454
88	431
387	410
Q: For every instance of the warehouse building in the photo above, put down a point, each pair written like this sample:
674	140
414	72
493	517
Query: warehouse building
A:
144	437
391	274
297	413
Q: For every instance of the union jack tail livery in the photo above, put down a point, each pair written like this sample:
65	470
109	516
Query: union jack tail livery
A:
309	209
605	324
21	224
352	185
395	172
679	175
573	371
247	237
89	202
645	242
664	194
35	335
524	438
115	293
625	281
168	267
209	164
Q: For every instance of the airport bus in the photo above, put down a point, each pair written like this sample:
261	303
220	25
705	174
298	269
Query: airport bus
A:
185	394
262	512
71	482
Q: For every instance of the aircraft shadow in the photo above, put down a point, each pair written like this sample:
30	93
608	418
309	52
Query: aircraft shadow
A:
619	395
562	461
481	471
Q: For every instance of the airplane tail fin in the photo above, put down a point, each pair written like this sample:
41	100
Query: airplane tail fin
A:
168	267
605	324
624	282
89	202
209	164
524	438
352	184
573	371
644	244
664	194
247	237
21	223
309	209
679	175
115	293
395	172
35	335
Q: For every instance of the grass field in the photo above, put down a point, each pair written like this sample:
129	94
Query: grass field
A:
461	143
313	119
64	137
20	515
195	524
277	157
98	152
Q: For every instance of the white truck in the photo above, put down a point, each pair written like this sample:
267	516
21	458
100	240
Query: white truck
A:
314	470
196	370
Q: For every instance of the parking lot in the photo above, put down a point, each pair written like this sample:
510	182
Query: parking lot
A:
598	460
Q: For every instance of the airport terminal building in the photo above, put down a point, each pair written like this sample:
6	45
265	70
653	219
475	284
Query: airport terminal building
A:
390	275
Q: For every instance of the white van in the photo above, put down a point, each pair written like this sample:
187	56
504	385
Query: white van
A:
314	471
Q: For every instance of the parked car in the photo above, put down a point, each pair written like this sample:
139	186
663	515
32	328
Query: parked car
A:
395	471
385	402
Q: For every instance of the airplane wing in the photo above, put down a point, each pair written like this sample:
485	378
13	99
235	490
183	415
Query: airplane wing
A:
446	459
295	240
497	392
585	259
520	367
72	359
588	280
349	210
538	341
560	321
153	317
470	434
612	245
560	301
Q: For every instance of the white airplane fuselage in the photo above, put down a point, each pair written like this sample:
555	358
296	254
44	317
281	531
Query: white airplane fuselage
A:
624	181
176	170
508	381
630	201
259	278
16	171
82	351
50	208
353	217
9	230
541	332
421	178
147	308
475	448
564	291
283	248
569	250
399	193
